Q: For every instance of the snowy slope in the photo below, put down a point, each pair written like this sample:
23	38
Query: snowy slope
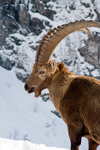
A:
23	117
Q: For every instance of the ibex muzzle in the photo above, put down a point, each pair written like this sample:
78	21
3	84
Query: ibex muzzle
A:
77	98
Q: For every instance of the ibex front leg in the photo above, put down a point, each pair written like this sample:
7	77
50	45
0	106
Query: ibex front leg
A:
75	137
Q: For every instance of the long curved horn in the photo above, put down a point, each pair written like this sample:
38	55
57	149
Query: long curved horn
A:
53	38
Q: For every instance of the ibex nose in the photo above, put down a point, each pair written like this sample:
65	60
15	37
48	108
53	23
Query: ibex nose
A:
26	86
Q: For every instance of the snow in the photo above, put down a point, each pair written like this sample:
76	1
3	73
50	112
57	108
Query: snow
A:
39	16
23	145
97	3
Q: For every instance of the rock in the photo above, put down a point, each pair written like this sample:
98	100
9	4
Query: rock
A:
22	76
6	62
36	26
98	15
14	15
23	16
85	4
42	8
56	113
91	51
22	67
8	24
45	97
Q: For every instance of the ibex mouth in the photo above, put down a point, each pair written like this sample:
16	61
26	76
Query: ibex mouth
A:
28	89
31	90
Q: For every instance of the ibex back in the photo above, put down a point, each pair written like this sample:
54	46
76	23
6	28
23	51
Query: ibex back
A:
77	98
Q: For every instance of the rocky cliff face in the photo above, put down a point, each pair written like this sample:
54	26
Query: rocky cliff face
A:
15	17
24	23
14	14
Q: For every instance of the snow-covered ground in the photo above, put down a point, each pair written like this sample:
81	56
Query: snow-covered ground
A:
23	145
24	117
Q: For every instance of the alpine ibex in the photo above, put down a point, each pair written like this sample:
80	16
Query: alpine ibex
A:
77	98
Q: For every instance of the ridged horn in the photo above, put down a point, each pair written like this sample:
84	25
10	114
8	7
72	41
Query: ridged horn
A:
53	38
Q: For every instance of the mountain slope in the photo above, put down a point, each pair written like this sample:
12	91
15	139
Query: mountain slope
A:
24	117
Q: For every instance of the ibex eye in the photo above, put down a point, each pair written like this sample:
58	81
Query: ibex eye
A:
41	72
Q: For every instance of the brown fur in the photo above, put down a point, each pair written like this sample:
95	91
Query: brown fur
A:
77	99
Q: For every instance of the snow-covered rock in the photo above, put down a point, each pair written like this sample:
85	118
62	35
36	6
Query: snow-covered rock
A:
24	23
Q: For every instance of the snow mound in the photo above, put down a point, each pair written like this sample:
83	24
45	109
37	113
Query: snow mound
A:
23	145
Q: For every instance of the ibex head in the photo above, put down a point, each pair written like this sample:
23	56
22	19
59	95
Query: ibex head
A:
40	77
44	69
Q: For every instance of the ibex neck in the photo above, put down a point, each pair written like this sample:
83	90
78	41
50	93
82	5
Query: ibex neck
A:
58	87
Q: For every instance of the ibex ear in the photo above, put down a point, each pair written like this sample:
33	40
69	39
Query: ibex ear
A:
53	65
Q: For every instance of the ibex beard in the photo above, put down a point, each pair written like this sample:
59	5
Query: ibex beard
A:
76	98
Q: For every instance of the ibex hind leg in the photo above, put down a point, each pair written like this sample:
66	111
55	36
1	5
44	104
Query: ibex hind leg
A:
92	144
74	147
75	137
